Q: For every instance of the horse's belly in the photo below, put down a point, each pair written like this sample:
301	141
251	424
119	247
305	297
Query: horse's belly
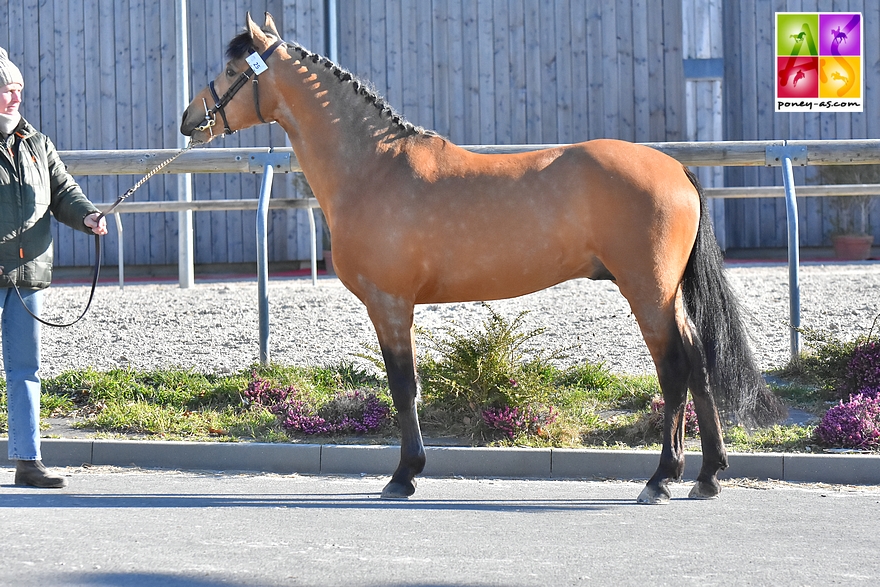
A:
485	277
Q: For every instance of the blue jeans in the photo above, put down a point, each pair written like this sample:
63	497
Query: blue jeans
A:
21	360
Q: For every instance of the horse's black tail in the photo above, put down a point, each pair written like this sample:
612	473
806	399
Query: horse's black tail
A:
734	379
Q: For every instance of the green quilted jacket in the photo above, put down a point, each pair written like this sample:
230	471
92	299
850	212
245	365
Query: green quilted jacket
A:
34	186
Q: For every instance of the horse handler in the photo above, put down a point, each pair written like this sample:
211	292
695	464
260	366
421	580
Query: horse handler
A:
34	186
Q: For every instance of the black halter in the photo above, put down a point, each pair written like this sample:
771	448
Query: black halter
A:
221	102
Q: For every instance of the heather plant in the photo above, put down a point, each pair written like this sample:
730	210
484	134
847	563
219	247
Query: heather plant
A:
863	370
348	411
691	426
515	422
839	368
356	411
855	423
852	424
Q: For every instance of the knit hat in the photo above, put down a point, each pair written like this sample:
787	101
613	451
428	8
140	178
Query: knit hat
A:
9	73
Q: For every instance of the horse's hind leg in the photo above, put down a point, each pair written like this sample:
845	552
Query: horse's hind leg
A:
680	364
711	438
393	321
673	370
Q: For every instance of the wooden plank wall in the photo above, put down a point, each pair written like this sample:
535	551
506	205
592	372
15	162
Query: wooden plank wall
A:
749	115
228	237
702	39
100	74
523	71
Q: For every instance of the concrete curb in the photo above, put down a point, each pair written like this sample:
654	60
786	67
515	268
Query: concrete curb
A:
522	463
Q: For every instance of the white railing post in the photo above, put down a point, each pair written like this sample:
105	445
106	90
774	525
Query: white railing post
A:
185	248
263	260
120	250
786	156
313	242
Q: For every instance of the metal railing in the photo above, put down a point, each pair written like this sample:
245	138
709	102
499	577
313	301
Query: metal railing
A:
268	161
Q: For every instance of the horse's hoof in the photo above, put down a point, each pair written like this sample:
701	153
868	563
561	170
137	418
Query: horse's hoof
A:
704	490
395	490
651	495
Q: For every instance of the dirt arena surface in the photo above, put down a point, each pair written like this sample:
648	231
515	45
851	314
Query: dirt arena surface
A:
213	326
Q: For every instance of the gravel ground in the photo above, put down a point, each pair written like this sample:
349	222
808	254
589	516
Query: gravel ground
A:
213	327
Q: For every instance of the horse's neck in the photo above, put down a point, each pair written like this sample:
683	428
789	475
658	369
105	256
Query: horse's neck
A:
338	135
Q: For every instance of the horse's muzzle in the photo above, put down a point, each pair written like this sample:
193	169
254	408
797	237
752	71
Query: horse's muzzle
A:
186	129
189	127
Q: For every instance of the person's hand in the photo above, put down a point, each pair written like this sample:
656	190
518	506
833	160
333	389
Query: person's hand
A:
96	222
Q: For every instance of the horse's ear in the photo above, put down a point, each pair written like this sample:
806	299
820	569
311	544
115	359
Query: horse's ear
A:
270	25
256	33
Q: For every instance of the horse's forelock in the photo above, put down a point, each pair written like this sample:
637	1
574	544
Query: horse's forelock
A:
243	44
240	46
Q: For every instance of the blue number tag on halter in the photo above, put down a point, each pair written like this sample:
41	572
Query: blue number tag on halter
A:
257	64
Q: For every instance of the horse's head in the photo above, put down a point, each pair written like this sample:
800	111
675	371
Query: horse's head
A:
221	105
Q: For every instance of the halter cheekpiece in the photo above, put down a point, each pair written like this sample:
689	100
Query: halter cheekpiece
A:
256	65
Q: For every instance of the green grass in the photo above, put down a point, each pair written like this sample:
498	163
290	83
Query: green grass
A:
462	372
595	407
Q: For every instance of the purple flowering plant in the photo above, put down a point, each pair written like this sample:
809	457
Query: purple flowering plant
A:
863	369
691	425
513	422
348	412
855	423
852	424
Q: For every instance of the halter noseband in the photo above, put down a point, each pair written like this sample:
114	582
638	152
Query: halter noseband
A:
220	103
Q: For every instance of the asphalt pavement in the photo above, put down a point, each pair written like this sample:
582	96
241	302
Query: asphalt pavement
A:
129	526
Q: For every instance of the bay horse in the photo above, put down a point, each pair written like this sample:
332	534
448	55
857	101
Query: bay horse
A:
416	219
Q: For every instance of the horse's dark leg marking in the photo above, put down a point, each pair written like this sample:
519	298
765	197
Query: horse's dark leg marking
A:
672	371
404	391
392	317
711	438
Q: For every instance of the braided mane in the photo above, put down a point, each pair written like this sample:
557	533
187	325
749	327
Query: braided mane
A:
242	45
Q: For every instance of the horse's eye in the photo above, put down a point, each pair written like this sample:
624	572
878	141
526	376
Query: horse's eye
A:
230	72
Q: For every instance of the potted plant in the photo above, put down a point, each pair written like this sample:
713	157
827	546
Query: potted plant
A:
851	234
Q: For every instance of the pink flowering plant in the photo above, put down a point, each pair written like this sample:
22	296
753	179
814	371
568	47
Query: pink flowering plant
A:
855	423
691	426
852	424
863	369
514	422
347	412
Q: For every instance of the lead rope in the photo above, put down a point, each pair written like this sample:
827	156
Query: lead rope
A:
97	270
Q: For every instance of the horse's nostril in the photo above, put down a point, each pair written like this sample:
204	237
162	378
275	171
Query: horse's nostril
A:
183	130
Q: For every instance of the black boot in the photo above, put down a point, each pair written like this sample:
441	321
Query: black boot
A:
33	473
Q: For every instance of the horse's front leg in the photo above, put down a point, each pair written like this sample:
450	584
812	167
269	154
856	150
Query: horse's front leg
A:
393	320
